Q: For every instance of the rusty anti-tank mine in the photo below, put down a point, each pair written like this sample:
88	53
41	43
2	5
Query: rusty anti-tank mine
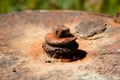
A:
94	55
61	44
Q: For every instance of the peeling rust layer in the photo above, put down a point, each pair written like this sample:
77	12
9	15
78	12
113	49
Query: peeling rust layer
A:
22	57
91	27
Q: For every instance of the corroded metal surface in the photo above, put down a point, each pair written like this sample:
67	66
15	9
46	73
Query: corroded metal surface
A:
61	44
61	31
91	27
52	40
22	57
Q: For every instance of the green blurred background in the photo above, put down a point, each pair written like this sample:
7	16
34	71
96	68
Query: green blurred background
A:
98	6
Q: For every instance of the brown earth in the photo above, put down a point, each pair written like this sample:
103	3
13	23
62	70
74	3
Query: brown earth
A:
22	57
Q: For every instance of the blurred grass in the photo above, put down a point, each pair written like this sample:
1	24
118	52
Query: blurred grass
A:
99	6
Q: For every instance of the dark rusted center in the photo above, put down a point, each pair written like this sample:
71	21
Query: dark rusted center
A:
60	43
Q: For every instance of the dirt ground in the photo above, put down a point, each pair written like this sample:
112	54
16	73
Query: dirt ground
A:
22	57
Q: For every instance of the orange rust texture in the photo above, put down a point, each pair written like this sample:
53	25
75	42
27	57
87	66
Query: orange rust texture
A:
35	50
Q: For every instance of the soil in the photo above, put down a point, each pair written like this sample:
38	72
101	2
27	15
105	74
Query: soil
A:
23	58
